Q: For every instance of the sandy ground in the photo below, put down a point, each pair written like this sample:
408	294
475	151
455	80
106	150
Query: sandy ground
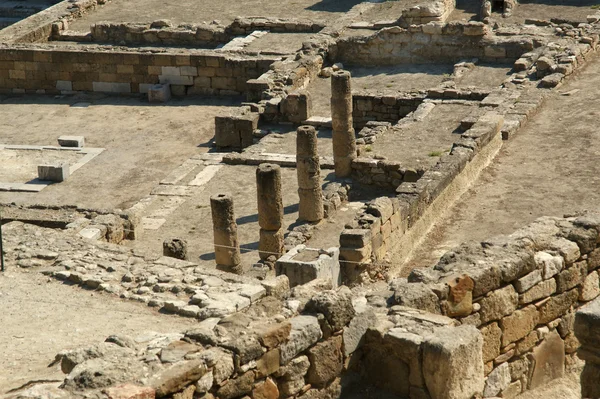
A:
549	168
40	317
20	166
143	142
571	10
225	11
420	144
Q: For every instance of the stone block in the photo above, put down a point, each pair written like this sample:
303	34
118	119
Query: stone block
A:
306	331
110	87
326	361
237	387
518	324
177	377
499	303
497	381
557	306
587	325
550	265
354	334
415	295
491	341
159	93
452	363
54	173
571	277
71	141
548	361
335	306
64	85
275	335
460	298
278	287
355	238
326	265
268	363
528	281
590	288
567	249
539	291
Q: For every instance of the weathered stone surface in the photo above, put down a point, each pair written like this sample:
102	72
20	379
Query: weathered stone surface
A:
305	332
527	343
567	249
539	291
513	390
571	277
518	368
265	390
326	361
291	387
177	377
587	325
549	361
528	281
452	363
460	296
550	265
497	381
176	351
275	335
237	387
491	341
590	380
295	369
335	306
130	391
246	348
498	303
268	363
557	306
187	393
353	334
518	324
407	346
415	295
590	288
104	372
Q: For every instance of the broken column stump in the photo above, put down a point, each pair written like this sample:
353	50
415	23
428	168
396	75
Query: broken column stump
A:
175	248
227	249
344	141
309	175
270	210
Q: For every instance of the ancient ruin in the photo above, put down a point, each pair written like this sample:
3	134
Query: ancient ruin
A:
311	199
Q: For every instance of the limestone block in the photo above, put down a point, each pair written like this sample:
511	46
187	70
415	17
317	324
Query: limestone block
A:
177	377
278	287
498	303
355	332
590	288
571	277
159	93
518	324
71	141
567	249
557	306
274	335
268	363
525	345
237	387
452	363
415	295
497	381
550	265
325	265
528	281
460	298
326	361
513	390
306	331
407	346
55	173
539	291
355	238
335	306
295	369
491	341
587	325
265	390
549	361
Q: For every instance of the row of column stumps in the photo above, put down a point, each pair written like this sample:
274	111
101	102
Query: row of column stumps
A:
344	141
268	184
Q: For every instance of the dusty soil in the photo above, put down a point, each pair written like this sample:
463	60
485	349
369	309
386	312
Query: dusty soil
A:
389	10
549	168
466	10
420	144
41	317
225	11
485	76
285	141
279	43
570	10
20	166
143	142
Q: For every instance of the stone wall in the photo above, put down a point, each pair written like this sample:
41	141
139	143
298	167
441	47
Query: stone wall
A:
430	43
521	292
424	13
37	69
383	108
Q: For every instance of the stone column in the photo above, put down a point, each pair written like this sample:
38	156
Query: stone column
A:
344	141
309	175
227	249
270	210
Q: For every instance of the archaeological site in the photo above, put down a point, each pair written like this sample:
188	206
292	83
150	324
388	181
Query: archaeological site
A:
304	199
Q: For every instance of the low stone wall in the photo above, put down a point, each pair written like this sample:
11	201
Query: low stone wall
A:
383	108
37	69
587	331
520	291
430	43
378	227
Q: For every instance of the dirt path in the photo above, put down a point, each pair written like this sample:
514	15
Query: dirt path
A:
41	317
550	168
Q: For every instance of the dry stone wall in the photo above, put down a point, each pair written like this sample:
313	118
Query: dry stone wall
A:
521	291
37	69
